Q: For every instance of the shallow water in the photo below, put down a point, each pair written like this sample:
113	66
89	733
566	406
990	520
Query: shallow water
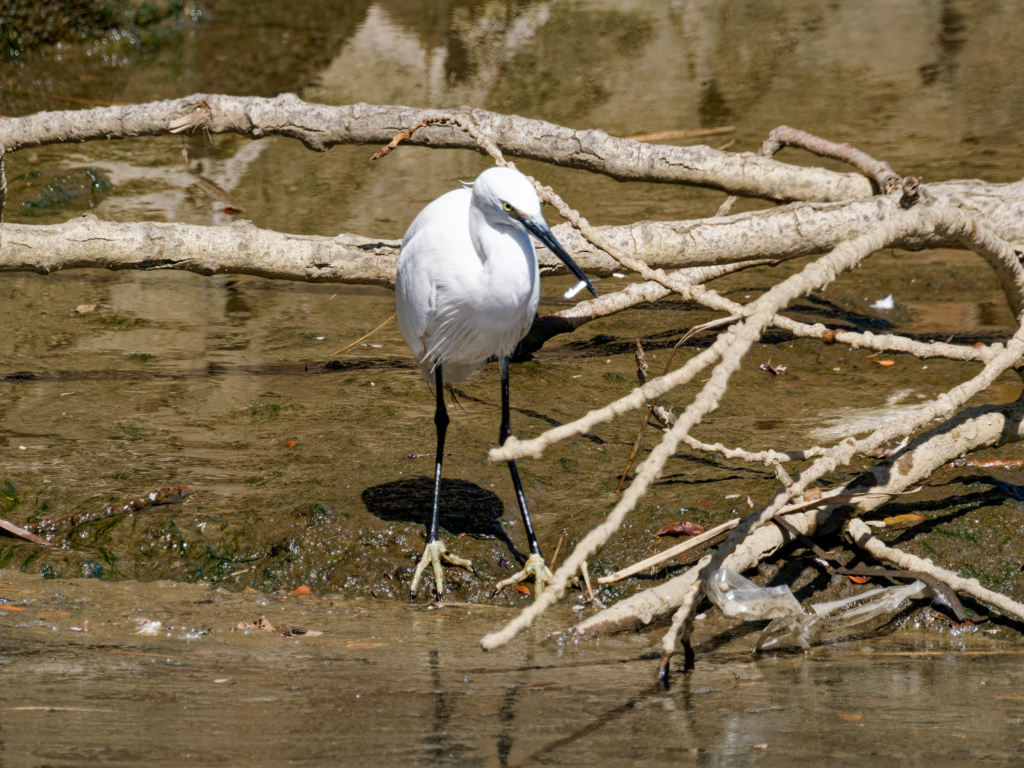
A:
181	379
397	682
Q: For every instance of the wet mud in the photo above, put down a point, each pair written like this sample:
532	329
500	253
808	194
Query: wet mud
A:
311	469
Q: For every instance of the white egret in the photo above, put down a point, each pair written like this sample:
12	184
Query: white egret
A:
467	290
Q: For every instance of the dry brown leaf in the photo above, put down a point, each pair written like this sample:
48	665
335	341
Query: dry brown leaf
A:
83	308
683	528
884	362
291	443
859	579
11	608
850	718
303	590
812	494
910	517
521	588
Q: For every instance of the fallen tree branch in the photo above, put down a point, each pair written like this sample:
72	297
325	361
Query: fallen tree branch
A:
866	540
320	126
973	429
941	407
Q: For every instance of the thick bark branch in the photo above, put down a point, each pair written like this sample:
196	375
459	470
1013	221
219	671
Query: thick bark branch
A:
320	127
795	230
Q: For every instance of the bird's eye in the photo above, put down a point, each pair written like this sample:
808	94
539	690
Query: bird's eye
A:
507	207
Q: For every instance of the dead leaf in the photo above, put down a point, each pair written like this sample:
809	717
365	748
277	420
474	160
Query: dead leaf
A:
363	645
910	517
521	588
303	590
291	443
750	503
83	308
11	608
859	580
874	354
812	494
850	718
885	363
232	210
314	633
760	746
683	528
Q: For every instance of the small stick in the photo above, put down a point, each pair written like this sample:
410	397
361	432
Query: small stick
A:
21	532
429	120
641	374
586	579
555	556
361	338
671	552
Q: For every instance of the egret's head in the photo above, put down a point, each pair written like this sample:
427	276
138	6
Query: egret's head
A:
507	198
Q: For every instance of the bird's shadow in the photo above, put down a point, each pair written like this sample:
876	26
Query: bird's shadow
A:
465	507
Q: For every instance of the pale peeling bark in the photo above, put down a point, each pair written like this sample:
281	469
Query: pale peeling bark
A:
321	126
791	231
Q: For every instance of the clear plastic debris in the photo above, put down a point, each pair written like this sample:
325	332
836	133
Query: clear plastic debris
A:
863	613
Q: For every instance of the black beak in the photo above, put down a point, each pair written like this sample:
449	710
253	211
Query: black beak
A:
540	229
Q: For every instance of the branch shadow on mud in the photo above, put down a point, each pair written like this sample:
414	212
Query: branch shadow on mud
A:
465	507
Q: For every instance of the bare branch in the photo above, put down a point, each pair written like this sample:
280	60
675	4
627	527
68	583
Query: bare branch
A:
879	171
886	179
865	539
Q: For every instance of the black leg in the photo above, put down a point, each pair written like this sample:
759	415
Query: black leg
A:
435	553
506	431
441	422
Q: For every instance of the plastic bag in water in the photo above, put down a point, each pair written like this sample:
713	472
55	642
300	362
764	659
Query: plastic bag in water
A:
863	613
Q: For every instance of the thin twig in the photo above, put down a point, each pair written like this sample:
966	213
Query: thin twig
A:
554	557
363	338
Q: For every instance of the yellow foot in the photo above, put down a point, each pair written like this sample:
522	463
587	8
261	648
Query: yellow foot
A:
534	569
434	553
